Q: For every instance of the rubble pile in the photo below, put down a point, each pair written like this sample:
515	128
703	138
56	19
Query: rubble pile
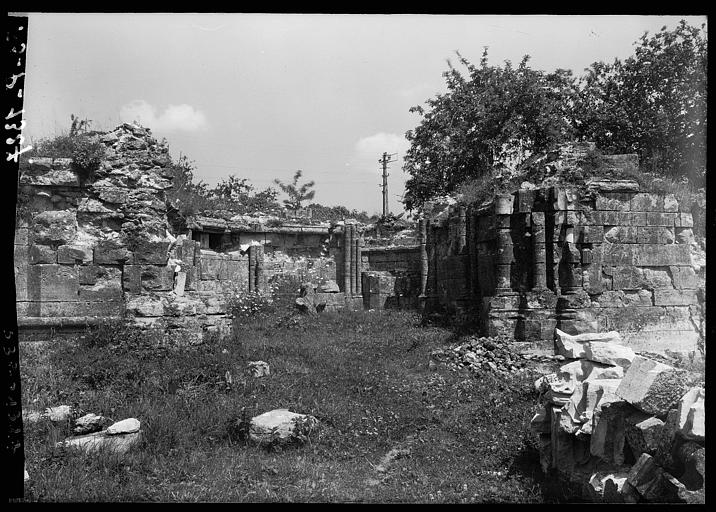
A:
492	354
621	427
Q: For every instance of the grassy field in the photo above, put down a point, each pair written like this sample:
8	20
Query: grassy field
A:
452	437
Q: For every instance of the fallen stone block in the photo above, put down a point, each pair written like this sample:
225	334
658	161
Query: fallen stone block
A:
652	387
609	353
693	459
673	491
592	396
608	431
90	423
613	491
692	422
643	436
128	426
281	426
329	286
101	441
645	476
573	346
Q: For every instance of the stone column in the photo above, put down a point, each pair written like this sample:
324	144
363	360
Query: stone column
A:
423	239
260	276
358	260
351	257
539	251
252	268
503	239
462	230
346	260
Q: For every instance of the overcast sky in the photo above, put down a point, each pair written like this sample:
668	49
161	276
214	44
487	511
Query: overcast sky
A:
262	95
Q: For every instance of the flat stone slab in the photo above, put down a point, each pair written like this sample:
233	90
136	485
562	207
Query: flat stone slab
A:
652	387
280	425
100	441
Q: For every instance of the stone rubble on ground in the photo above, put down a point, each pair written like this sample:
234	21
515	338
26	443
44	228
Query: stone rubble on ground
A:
478	354
90	423
621	426
118	438
281	426
258	369
57	414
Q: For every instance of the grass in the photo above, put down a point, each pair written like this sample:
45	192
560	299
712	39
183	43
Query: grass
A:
451	437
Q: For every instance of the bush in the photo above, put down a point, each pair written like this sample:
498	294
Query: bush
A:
86	152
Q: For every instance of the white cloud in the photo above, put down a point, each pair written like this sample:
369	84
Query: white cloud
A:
375	145
175	118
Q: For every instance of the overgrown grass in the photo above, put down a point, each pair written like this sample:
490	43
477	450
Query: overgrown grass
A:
364	375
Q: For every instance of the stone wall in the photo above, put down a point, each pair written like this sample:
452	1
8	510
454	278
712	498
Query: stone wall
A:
391	277
603	257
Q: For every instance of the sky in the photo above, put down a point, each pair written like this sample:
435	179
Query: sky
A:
260	96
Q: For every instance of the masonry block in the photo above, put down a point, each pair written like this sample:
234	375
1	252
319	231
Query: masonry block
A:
151	252
21	236
75	254
625	277
51	282
652	387
621	234
647	202
131	278
684	277
655	235
589	234
657	255
661	219
111	252
618	201
59	309
684	220
618	254
90	274
42	254
671	297
157	278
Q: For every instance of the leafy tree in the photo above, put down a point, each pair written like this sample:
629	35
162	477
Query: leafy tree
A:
653	103
492	118
296	195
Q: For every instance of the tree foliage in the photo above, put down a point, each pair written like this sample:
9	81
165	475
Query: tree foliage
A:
491	118
232	193
653	103
296	194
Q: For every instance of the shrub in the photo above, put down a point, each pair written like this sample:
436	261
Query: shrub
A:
86	152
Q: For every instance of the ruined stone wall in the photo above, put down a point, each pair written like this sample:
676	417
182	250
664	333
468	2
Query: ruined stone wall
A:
609	257
392	275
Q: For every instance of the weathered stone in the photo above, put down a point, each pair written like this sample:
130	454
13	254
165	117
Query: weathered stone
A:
74	254
111	252
659	255
101	442
684	220
656	278
643	436
608	431
618	254
614	487
625	277
676	492
58	414
609	353
651	387
127	426
329	286
621	234
645	476
642	298
693	459
258	369
660	219
89	423
573	346
684	235
592	396
179	283
655	235
52	283
613	201
541	423
692	415
672	297
132	278
102	289
280	426
54	227
151	252
42	254
145	305
157	278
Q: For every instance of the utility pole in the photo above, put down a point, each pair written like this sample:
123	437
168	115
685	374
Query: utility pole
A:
385	161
